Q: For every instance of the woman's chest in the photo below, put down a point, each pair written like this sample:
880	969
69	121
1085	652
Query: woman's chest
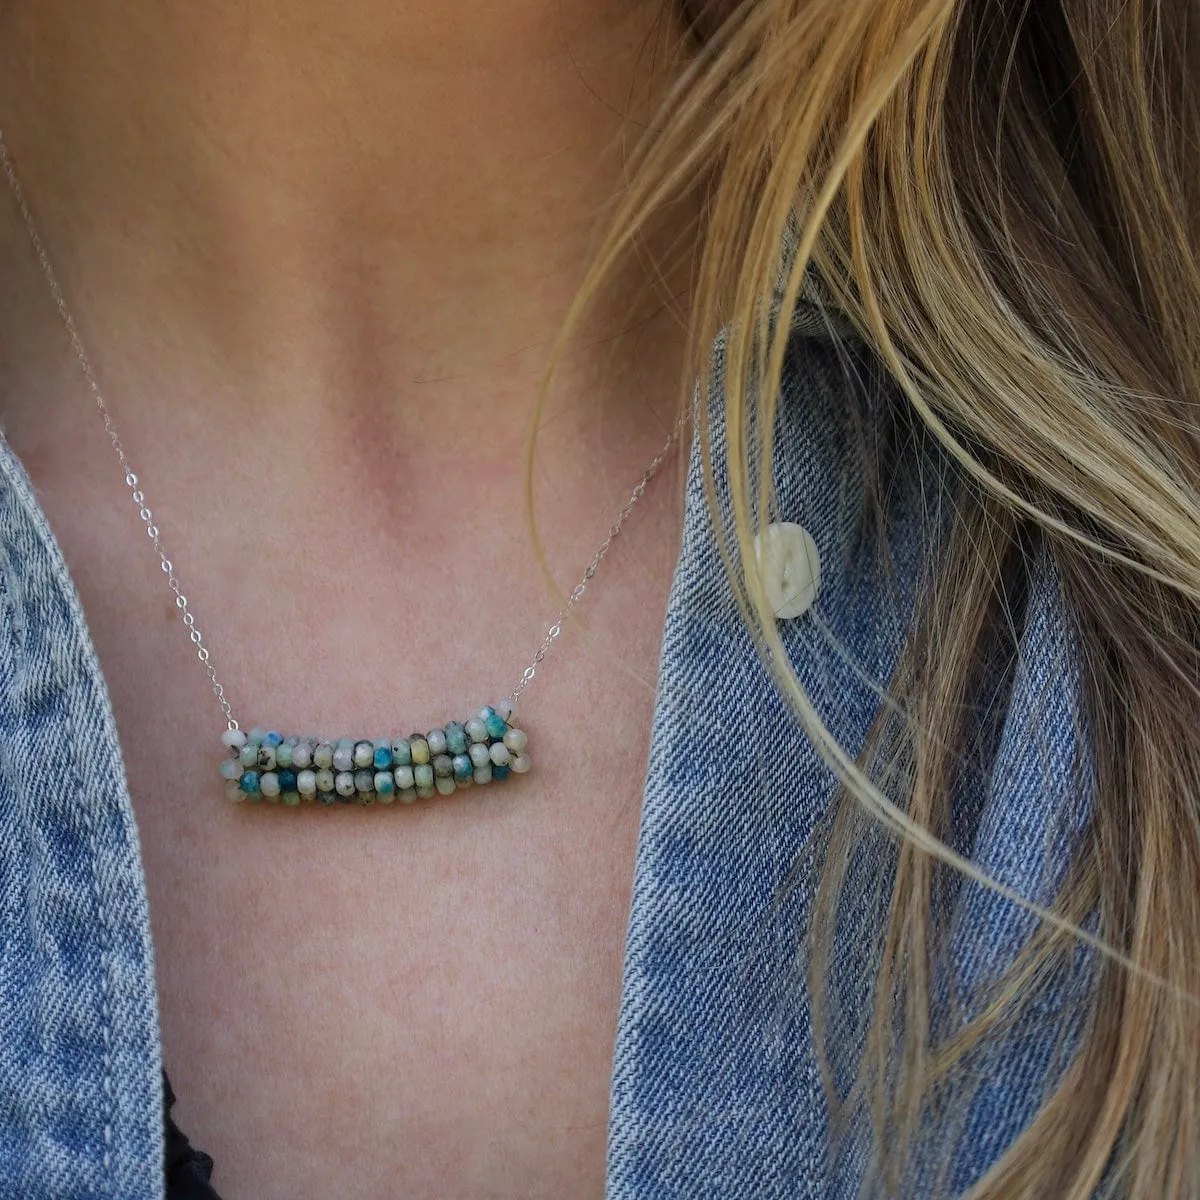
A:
386	1001
396	1003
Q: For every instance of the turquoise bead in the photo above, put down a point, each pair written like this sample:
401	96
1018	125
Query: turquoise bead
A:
500	772
423	776
287	781
383	756
463	766
456	738
486	711
256	735
283	755
385	785
249	782
496	726
248	755
231	769
273	739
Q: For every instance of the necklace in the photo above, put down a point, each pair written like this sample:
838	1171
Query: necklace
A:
261	764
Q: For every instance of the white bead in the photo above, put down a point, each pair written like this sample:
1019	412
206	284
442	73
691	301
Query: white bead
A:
233	739
499	754
301	756
483	774
477	730
516	740
364	754
404	779
233	790
407	795
269	783
306	783
521	764
344	783
790	567
437	742
505	709
231	769
479	754
325	780
444	784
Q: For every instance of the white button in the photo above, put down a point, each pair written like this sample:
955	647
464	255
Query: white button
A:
790	567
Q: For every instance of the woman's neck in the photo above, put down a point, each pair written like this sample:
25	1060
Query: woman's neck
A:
329	200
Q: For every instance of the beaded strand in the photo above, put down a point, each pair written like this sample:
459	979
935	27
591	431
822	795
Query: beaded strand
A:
263	765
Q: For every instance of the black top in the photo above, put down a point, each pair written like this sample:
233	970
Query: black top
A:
186	1169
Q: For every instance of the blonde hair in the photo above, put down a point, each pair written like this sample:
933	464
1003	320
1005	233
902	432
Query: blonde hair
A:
1003	200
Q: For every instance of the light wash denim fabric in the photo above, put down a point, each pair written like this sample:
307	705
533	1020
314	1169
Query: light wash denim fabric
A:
716	1091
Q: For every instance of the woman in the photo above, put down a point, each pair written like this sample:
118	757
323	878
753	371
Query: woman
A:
913	904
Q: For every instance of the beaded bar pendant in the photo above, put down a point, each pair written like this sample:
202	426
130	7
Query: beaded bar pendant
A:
264	765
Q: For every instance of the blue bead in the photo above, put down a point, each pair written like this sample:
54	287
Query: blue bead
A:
497	727
383	757
456	738
500	772
273	739
464	768
287	781
249	783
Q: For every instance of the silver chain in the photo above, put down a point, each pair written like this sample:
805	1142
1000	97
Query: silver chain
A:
138	496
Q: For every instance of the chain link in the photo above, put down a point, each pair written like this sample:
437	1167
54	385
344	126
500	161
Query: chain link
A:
144	512
638	492
131	479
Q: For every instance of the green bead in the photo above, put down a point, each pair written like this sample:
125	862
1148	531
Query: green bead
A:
423	776
291	799
419	748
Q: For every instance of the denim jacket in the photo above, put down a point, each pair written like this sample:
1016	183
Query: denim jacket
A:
716	1089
